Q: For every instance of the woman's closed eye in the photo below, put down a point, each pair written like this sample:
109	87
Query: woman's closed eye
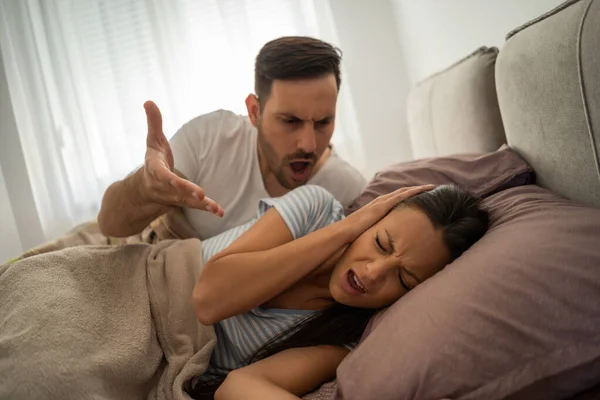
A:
383	250
402	281
380	245
402	273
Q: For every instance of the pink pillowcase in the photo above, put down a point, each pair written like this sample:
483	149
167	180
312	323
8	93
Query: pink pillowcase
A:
515	316
482	174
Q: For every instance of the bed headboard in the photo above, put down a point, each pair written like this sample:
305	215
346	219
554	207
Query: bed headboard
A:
456	110
540	94
548	84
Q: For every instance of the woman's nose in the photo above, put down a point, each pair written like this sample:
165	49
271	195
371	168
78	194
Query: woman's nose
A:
376	271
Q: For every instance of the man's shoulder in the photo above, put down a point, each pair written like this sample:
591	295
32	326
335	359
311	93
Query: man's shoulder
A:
219	125
341	178
338	168
214	117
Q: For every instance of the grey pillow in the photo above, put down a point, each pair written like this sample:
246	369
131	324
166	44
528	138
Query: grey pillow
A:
456	110
517	316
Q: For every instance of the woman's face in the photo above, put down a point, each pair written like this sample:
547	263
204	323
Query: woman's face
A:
386	261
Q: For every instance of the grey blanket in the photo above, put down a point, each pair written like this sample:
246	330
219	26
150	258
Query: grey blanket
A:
102	322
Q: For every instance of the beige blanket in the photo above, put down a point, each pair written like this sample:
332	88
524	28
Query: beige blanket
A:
172	225
102	322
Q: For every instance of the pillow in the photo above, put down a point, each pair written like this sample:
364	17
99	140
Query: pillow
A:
516	316
482	174
456	110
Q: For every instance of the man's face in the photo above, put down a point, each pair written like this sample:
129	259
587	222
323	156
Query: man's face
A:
295	127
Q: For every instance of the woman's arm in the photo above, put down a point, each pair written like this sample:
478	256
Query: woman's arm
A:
260	264
265	261
286	375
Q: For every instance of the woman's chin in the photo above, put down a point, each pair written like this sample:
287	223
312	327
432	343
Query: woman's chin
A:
338	294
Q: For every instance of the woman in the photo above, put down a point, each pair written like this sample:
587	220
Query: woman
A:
291	292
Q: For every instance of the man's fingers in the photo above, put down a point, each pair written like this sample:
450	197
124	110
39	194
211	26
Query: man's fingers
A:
154	121
172	182
188	188
213	207
208	204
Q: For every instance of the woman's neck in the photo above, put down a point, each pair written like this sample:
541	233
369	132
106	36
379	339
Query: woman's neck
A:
316	285
310	293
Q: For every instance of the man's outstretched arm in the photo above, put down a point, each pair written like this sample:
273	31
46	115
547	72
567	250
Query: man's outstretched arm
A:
129	205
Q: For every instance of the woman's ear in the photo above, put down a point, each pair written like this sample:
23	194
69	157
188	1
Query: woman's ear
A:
253	107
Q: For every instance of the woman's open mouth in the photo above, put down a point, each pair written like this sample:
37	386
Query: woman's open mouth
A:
352	285
300	170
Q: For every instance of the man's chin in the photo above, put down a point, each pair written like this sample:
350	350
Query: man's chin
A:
290	182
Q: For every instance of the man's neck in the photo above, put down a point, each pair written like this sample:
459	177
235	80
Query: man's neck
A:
270	181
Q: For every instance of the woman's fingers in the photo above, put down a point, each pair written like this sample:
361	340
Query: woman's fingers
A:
389	200
407	192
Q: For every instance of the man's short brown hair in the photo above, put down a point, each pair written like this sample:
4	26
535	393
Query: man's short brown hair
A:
294	57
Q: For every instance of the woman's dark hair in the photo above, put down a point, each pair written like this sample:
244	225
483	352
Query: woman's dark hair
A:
456	212
451	209
294	57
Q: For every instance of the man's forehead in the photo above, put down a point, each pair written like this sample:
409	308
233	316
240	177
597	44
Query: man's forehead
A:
304	99
322	88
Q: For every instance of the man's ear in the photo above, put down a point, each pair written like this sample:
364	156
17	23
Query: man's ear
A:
253	107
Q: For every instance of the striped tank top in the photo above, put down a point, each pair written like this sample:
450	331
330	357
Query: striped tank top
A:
304	210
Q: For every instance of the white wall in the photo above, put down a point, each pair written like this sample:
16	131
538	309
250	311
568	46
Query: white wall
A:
376	76
388	46
437	33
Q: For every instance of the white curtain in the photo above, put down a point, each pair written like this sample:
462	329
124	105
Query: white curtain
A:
79	71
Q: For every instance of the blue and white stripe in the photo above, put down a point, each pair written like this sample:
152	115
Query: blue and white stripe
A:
304	210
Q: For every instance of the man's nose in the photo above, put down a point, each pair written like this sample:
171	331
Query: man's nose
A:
306	139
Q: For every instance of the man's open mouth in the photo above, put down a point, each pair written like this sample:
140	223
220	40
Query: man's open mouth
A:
300	170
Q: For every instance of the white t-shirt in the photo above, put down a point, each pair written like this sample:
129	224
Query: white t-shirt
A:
218	152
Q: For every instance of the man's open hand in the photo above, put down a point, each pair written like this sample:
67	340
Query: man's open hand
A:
161	185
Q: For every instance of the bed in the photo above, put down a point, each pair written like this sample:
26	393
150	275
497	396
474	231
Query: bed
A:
518	315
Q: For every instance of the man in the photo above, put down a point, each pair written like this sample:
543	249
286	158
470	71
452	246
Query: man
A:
283	143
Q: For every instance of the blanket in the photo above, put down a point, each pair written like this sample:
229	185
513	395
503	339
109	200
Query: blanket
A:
171	225
102	322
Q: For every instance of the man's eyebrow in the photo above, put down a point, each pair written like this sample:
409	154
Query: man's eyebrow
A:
292	116
393	246
288	115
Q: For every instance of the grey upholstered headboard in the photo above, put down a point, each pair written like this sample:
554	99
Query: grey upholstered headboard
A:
456	110
548	84
540	94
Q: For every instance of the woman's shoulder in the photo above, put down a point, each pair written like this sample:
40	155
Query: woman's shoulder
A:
311	195
305	209
311	201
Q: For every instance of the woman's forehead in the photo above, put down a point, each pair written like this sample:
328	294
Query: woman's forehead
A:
414	238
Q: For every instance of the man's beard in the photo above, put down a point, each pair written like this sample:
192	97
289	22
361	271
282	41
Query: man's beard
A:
279	167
